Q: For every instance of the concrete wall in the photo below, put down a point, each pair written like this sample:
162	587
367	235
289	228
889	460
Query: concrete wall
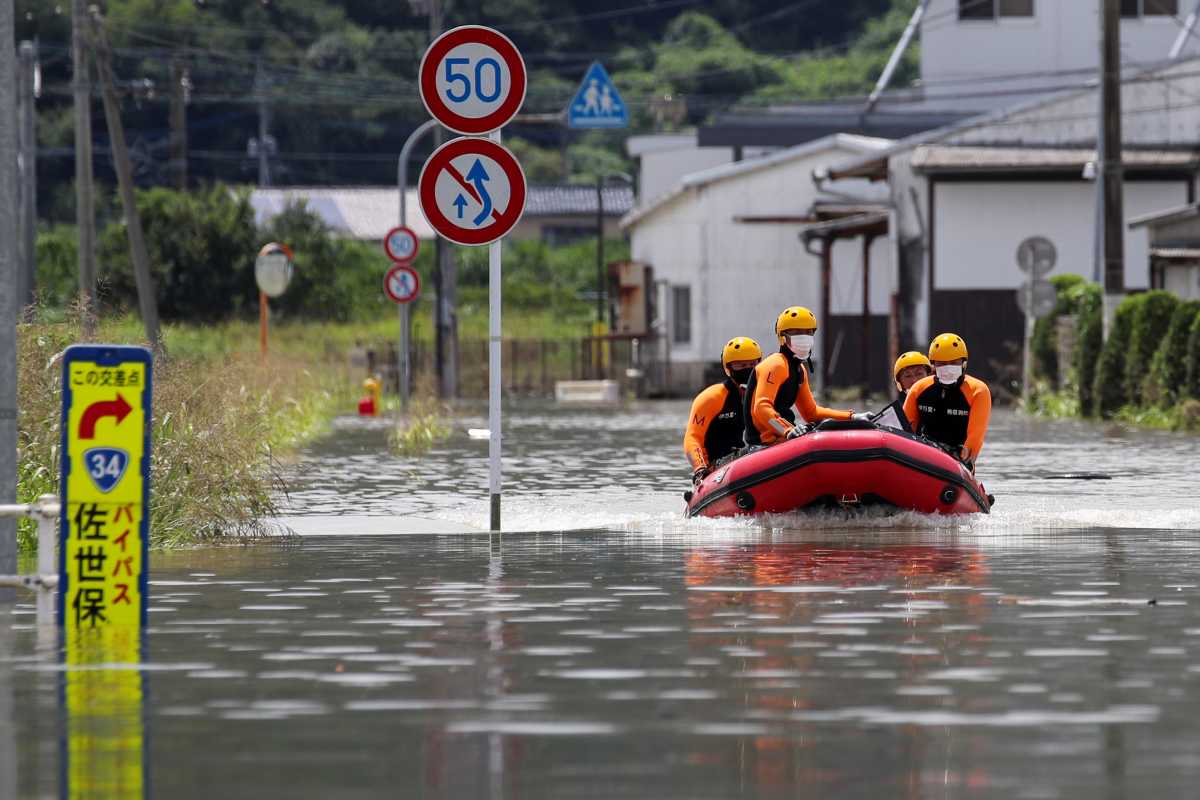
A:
664	159
1063	35
968	255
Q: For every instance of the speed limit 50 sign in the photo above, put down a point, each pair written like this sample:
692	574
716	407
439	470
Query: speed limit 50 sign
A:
473	80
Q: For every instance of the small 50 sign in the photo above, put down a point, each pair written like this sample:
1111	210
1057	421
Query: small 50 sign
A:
473	80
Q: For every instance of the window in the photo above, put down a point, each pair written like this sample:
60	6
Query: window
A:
992	9
1149	8
681	314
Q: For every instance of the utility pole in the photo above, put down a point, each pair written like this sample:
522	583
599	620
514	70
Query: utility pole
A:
27	167
8	288
1109	145
445	276
147	301
177	142
85	211
264	124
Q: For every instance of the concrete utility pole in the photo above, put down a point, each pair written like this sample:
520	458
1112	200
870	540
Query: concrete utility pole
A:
177	141
910	30
85	211
147	300
1110	154
8	289
445	276
27	167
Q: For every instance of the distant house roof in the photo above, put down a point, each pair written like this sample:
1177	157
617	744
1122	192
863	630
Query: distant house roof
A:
959	159
870	164
1176	253
860	144
786	126
369	212
1166	216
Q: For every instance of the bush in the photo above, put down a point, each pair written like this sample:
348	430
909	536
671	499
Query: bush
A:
1154	312
1044	345
1090	339
1168	369
335	279
202	246
1109	391
1191	387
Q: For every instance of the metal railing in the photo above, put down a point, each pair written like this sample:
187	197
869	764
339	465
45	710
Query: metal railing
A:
45	510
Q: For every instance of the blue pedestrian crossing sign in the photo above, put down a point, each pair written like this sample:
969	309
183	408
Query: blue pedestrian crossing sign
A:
597	104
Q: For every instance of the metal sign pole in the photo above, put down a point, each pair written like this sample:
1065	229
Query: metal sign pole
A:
1027	365
494	342
262	325
403	358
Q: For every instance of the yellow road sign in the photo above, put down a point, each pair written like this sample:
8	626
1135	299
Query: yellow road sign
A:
105	482
103	565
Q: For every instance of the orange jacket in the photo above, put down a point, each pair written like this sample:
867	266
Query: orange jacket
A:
715	425
956	415
776	388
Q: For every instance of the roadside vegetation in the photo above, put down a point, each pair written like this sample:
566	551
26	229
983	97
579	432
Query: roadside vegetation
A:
1147	373
222	421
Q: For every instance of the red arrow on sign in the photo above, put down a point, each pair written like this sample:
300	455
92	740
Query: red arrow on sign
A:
97	411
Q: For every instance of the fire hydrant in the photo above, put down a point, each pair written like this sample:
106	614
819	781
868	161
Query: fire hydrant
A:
369	406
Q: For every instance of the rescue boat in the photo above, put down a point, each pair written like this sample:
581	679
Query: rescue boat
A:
849	463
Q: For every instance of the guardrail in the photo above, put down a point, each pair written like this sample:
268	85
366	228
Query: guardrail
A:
45	510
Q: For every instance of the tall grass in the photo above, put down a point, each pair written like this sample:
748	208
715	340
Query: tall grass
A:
221	419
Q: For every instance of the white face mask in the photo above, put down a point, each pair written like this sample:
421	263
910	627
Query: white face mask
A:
949	373
801	345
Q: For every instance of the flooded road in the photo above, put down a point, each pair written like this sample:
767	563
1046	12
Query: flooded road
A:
612	649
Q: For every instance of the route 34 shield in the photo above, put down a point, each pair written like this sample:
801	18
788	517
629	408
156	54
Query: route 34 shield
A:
472	191
106	466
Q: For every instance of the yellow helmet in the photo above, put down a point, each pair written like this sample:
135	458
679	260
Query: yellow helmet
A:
947	347
794	317
740	348
910	359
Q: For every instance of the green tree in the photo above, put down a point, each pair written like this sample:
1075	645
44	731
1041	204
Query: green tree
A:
1168	370
1110	392
1154	312
1044	345
201	246
335	279
1089	342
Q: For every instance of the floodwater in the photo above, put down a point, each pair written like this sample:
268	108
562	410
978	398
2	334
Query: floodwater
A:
606	647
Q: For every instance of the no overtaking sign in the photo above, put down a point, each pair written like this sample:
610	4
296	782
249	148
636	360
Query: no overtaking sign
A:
472	191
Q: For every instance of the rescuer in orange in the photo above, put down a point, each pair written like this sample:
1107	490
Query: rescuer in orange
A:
909	368
950	406
715	425
781	381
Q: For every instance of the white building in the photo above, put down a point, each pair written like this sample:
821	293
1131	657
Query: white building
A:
725	255
1174	249
992	54
964	197
665	158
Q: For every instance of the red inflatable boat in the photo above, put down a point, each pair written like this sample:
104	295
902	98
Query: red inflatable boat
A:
841	464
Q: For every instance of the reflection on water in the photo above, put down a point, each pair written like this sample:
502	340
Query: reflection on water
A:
1044	651
702	666
102	699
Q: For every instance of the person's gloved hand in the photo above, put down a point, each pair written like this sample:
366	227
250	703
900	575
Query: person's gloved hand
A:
862	416
794	432
700	474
